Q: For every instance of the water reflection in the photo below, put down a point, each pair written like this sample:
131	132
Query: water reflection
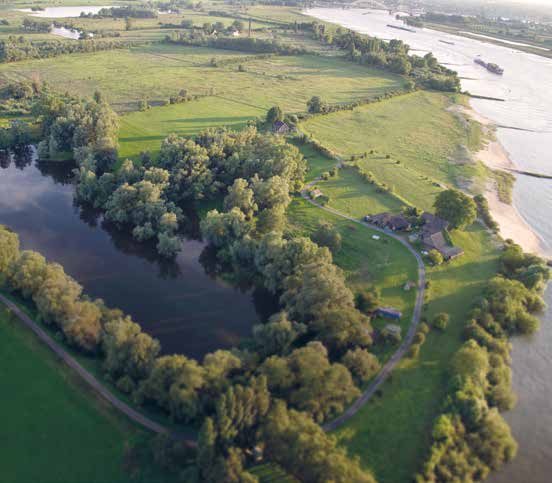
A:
184	302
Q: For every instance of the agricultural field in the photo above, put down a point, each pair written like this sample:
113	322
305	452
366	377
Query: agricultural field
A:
414	144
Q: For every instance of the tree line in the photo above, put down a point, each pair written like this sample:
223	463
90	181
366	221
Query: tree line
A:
14	49
392	56
244	44
470	437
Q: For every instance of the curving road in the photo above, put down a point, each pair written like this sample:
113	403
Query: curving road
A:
407	341
92	381
147	423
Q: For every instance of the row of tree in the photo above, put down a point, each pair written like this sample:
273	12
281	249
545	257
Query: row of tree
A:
13	49
232	392
244	44
470	437
392	56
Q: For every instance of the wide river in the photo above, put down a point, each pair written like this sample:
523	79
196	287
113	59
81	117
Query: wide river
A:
527	88
179	302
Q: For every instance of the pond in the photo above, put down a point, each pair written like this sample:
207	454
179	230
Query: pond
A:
178	302
63	12
64	32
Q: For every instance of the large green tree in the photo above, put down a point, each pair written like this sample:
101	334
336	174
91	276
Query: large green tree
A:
457	208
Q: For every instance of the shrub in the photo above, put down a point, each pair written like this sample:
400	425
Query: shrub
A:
440	322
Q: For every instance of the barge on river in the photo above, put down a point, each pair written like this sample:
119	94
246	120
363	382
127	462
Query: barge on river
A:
494	68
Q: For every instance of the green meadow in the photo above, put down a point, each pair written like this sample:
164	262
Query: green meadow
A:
158	71
397	423
412	143
51	419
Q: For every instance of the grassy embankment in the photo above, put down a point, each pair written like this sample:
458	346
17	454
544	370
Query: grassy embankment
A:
391	434
53	420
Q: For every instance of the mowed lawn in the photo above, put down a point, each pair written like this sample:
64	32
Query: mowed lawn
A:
53	428
384	263
159	71
350	194
412	143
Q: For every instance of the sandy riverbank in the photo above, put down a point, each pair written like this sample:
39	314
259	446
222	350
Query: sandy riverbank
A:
512	224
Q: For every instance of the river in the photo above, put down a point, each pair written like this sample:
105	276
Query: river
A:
527	88
189	310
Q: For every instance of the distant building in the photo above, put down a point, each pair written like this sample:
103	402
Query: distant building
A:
388	313
280	127
316	193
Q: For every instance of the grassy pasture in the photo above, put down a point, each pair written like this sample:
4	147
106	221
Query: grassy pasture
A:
419	134
159	71
384	263
398	424
52	419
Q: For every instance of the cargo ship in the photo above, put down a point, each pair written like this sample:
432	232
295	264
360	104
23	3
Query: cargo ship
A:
494	68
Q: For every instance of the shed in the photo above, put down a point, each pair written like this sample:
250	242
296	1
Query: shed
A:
389	313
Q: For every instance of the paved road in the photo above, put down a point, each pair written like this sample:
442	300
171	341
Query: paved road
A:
87	376
407	341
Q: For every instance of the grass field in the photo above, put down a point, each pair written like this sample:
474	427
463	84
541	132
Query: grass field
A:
384	263
159	71
396	426
422	138
51	419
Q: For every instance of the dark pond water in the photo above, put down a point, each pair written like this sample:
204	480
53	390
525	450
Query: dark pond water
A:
187	309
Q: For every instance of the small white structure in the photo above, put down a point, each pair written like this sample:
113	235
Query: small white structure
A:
375	237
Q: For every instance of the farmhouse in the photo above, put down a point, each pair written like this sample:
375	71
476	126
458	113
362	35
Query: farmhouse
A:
435	240
280	127
433	224
388	220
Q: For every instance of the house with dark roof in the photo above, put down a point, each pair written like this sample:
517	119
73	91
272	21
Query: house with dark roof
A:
388	220
433	223
280	127
437	241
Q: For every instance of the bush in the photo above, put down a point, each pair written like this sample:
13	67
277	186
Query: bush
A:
440	322
424	328
419	338
414	351
435	258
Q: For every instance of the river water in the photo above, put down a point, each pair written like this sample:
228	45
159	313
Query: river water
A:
63	12
180	303
526	117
